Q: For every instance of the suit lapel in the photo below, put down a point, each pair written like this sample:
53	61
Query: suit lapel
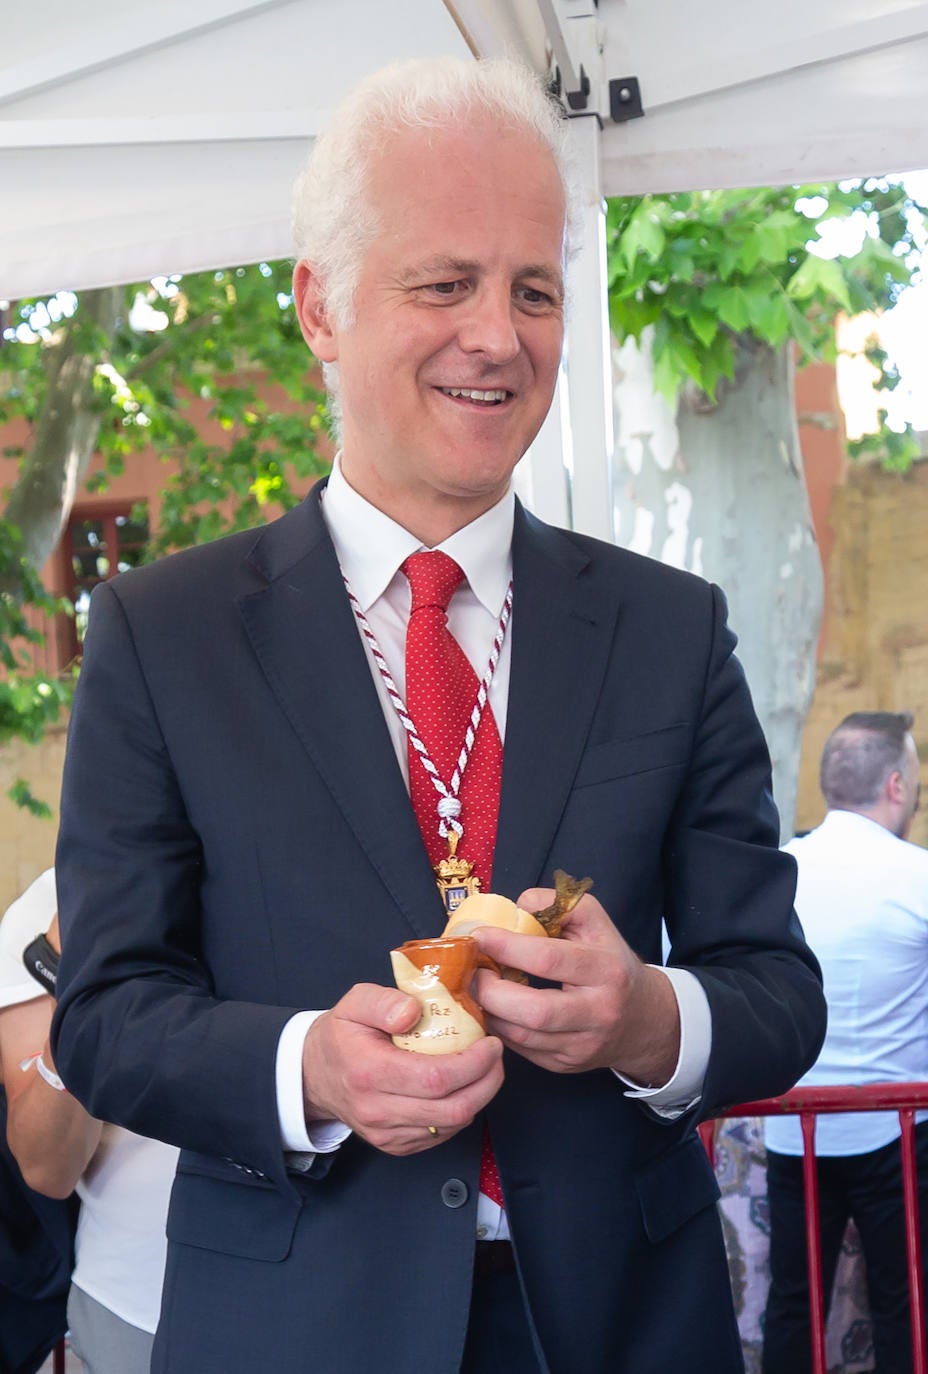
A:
563	629
303	632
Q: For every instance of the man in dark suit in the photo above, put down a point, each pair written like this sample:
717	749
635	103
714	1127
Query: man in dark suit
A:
238	851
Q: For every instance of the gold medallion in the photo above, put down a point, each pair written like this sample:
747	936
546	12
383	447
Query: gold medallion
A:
455	876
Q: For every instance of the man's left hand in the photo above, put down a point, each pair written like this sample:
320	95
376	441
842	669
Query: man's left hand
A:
610	1011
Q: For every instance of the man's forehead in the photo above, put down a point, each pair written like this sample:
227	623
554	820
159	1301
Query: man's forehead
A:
474	140
457	200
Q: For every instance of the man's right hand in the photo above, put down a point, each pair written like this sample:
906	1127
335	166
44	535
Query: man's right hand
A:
352	1072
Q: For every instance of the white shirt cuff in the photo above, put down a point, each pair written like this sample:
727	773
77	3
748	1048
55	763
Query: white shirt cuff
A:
300	1144
684	1089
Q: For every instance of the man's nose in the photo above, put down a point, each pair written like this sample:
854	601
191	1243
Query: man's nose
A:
489	325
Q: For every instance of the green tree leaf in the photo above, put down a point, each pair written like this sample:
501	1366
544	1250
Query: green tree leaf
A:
704	265
821	278
734	309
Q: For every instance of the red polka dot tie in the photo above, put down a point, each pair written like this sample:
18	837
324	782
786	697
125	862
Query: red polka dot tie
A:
441	689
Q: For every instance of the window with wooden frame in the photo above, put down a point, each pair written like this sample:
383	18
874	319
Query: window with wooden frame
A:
100	541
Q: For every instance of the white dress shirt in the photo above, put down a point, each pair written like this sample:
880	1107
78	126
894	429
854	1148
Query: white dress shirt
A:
862	899
371	548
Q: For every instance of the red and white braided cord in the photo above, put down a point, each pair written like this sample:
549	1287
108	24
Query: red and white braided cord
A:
448	806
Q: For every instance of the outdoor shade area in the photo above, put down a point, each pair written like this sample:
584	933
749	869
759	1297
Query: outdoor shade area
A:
164	139
158	145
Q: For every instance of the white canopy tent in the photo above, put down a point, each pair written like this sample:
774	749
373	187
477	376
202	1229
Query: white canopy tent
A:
164	138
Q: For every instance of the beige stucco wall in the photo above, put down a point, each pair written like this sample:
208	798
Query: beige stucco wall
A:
27	844
874	655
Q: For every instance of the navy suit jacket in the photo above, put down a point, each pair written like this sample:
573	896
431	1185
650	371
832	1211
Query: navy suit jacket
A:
237	844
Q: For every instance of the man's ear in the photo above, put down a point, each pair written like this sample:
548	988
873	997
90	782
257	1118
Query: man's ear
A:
895	787
309	301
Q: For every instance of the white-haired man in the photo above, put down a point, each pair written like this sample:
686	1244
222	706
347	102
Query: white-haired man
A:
256	835
862	897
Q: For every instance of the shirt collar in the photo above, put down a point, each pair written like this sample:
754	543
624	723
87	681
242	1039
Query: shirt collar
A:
837	820
371	547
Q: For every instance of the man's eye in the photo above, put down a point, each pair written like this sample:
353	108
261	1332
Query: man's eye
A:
446	288
530	295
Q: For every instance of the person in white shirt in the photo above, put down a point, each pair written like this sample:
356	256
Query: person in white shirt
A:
862	898
123	1181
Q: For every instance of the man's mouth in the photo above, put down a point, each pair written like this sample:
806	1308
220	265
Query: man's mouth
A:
471	393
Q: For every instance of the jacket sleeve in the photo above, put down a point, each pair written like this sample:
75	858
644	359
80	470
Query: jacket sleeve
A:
730	893
138	1035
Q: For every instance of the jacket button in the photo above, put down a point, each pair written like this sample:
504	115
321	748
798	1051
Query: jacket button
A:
454	1192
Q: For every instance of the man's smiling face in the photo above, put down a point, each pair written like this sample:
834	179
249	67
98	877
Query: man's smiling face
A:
449	367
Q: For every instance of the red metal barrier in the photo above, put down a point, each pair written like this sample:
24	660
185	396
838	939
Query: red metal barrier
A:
58	1366
807	1104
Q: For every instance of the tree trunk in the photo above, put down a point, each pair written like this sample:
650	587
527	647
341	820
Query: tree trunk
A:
719	489
66	430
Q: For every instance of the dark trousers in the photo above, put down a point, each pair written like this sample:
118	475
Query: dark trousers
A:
867	1187
499	1338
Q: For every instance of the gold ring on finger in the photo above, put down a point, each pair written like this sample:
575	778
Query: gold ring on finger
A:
433	1130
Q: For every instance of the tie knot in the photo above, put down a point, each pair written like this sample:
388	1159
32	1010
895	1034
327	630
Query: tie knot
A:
433	578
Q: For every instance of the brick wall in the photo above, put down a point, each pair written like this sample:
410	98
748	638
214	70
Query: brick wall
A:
27	844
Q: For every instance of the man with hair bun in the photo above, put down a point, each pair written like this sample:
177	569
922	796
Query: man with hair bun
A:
246	833
862	898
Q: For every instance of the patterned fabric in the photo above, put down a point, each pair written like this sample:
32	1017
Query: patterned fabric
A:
441	688
740	1166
